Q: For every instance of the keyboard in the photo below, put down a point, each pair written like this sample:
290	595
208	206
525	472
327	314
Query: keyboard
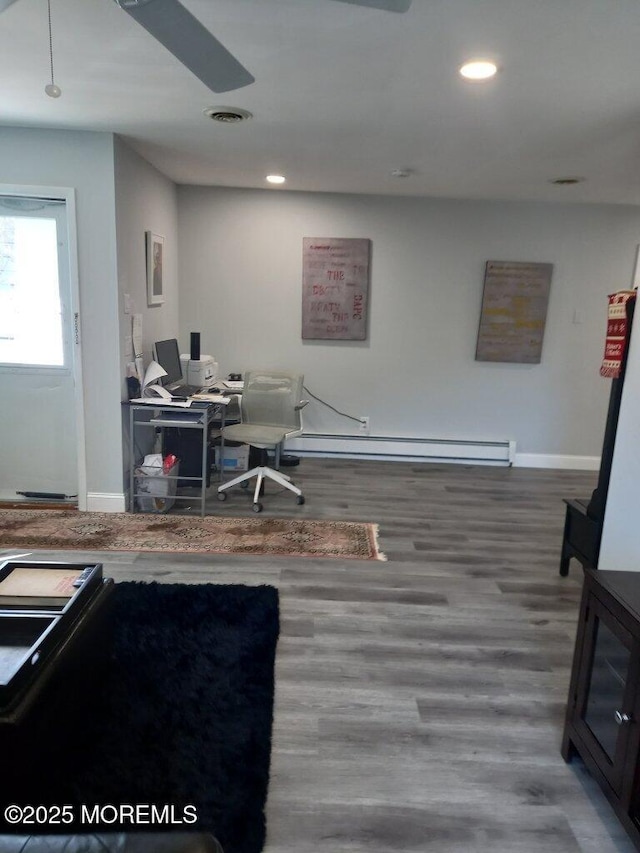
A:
183	391
179	416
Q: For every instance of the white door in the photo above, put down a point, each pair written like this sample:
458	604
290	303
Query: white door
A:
38	450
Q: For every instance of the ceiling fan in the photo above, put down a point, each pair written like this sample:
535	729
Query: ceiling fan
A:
195	47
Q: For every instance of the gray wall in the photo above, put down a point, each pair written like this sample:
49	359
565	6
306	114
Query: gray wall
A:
240	285
84	161
145	201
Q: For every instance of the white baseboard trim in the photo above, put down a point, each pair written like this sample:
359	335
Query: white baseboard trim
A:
10	495
549	460
105	502
476	452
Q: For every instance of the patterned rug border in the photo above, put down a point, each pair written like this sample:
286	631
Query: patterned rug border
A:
150	523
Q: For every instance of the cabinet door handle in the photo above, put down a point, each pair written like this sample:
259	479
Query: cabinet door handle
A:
621	718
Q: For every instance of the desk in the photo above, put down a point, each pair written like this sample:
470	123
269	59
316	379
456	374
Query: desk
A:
201	415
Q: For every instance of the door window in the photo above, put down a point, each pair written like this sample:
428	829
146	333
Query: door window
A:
31	308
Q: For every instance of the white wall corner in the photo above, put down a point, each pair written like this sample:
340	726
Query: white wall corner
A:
550	460
104	502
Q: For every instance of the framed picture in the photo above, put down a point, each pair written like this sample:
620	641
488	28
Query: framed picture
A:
335	288
155	249
514	311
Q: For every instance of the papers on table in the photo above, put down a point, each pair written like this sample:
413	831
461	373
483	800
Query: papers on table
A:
211	398
29	588
57	583
161	402
156	395
151	385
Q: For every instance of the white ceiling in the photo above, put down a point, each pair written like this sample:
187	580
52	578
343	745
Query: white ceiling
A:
345	94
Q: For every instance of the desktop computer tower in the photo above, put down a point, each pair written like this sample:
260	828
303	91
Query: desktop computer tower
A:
186	444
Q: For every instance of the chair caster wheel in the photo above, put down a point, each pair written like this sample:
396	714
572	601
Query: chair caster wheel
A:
300	499
244	485
257	507
222	496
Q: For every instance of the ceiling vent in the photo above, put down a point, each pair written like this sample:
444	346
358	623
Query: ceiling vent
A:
227	115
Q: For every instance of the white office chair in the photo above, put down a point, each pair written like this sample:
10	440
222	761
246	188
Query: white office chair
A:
270	409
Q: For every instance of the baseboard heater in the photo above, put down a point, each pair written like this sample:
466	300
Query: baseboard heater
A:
472	452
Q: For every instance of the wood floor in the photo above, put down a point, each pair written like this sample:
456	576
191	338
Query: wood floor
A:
419	701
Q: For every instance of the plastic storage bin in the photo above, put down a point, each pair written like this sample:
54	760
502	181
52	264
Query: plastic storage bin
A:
156	490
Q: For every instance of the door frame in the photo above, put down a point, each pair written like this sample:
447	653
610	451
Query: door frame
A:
68	196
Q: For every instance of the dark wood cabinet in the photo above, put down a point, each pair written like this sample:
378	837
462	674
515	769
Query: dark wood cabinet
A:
603	710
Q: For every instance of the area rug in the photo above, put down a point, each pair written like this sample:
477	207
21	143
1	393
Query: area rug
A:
55	530
182	718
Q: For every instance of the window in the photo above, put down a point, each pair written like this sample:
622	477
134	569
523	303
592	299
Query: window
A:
31	323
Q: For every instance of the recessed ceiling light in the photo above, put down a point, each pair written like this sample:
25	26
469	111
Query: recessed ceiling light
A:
401	173
276	179
566	181
227	115
478	69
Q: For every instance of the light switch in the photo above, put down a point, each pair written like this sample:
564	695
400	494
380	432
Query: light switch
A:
578	316
128	304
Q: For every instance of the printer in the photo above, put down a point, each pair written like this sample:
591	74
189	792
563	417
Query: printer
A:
199	372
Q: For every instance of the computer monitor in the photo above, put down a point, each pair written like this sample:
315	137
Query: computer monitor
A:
168	357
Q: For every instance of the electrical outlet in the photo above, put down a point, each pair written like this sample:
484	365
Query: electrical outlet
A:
364	425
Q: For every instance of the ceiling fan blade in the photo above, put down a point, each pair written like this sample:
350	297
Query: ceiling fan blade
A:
4	4
189	41
387	5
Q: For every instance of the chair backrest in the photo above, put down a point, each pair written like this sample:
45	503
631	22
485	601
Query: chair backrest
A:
270	398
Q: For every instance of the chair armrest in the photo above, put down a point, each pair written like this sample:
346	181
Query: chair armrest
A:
301	405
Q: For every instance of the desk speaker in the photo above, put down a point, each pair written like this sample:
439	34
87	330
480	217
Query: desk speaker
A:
195	346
